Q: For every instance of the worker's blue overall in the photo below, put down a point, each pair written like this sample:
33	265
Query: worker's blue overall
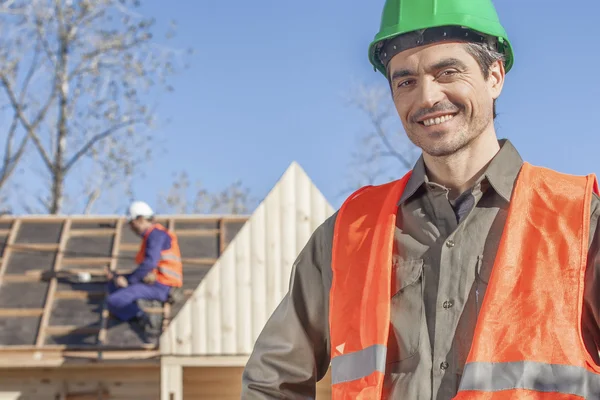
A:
122	302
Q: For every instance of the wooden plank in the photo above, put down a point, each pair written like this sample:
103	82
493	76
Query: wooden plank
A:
78	294
64	237
205	361
129	246
35	247
113	267
4	232
243	290
91	232
71	329
199	261
259	272
273	243
12	236
197	232
212	294
222	237
21	312
171	382
86	260
235	218
21	278
287	227
227	293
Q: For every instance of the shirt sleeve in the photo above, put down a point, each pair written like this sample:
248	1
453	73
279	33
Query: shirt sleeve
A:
155	244
292	352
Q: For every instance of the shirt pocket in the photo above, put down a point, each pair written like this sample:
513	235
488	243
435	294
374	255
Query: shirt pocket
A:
406	313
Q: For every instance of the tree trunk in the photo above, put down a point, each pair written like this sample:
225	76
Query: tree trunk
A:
58	172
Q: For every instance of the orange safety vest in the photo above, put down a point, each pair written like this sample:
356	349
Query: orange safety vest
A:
527	343
169	270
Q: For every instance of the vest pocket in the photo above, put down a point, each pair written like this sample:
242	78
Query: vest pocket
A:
406	313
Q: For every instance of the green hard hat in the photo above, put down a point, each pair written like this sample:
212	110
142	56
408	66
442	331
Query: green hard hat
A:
450	18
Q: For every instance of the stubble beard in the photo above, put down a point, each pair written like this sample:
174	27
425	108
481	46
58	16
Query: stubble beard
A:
443	144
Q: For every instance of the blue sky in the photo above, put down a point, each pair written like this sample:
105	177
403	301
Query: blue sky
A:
268	81
268	84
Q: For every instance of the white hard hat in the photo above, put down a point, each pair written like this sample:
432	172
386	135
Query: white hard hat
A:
139	209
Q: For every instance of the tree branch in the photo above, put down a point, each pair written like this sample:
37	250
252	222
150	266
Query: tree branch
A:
95	139
29	128
99	52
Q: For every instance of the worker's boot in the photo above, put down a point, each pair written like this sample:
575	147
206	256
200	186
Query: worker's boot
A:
149	325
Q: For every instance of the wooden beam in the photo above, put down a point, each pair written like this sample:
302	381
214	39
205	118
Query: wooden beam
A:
71	329
205	361
86	260
235	219
200	261
21	278
129	247
31	357
12	236
196	232
79	294
113	267
4	232
64	238
21	312
92	232
43	247
222	232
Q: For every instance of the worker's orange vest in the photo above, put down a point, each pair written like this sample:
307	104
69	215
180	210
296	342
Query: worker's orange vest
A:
528	342
169	270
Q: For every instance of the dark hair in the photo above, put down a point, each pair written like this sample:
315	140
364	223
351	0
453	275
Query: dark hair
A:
485	55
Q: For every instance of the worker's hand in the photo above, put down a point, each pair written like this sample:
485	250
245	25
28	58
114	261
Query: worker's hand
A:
121	281
109	274
149	279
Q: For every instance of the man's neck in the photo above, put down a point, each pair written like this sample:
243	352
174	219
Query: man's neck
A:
459	171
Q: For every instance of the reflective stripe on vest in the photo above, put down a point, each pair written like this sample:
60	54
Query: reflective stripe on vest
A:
357	365
169	272
529	375
527	342
170	257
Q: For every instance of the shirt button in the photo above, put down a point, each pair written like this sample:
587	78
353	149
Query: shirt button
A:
444	366
450	243
448	304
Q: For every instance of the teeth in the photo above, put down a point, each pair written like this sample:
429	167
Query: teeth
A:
438	120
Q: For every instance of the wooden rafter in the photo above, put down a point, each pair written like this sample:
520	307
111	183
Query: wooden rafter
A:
64	238
112	267
12	236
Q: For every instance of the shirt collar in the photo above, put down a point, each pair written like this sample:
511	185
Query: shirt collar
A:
501	172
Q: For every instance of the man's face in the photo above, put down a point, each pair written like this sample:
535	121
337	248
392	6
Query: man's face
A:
442	97
136	226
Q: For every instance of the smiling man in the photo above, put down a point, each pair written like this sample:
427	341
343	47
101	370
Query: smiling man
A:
474	276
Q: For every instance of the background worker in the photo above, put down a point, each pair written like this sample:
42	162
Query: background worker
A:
159	270
475	276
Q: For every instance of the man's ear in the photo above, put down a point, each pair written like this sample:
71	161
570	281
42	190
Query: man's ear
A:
496	79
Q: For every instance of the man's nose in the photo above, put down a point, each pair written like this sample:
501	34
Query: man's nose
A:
429	94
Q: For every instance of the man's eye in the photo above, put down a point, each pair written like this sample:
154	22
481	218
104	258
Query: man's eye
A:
403	83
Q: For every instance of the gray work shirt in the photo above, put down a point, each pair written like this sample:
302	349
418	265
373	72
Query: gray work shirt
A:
446	253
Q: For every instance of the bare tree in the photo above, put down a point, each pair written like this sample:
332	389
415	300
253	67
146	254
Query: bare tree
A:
92	67
383	152
182	198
